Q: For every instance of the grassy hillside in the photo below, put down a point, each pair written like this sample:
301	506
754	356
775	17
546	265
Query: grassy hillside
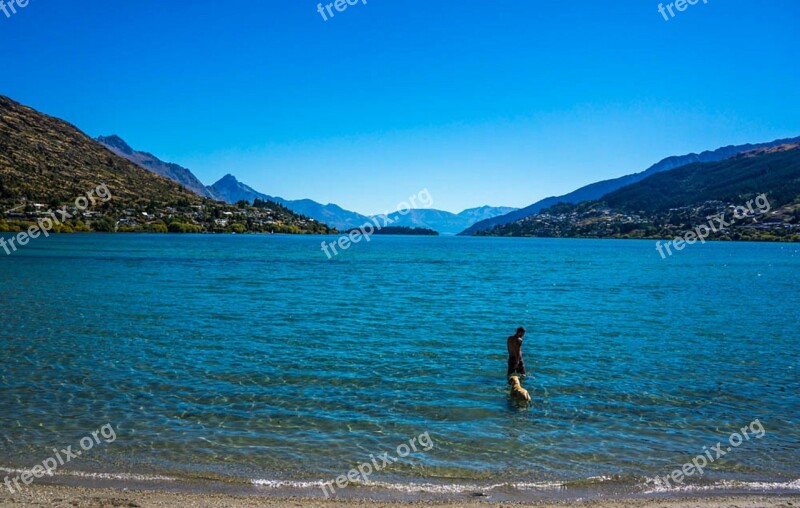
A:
733	180
597	190
666	204
46	163
47	160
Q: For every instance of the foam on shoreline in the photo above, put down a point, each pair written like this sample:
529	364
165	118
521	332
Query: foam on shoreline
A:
426	489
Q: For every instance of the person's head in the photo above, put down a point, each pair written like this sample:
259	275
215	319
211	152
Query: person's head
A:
520	331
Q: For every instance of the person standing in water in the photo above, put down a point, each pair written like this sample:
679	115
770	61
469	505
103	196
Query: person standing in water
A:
514	343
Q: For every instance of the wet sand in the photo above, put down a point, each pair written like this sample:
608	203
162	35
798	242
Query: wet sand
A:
81	497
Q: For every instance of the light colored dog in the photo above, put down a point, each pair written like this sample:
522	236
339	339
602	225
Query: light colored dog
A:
517	391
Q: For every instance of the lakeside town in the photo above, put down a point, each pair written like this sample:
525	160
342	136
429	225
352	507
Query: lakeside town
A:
595	220
205	217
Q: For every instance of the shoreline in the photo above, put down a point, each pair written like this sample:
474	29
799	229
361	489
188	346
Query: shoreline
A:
440	235
63	495
131	489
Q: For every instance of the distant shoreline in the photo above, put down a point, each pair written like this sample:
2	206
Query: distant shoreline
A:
335	234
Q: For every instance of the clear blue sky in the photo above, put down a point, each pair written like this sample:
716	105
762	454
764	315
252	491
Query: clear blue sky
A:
482	102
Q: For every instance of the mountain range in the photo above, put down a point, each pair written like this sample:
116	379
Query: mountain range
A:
446	223
152	163
45	161
598	189
774	171
670	203
231	190
47	164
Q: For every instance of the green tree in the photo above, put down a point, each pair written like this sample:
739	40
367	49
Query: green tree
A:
105	225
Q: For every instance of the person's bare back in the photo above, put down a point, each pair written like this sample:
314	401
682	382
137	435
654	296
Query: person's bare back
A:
514	345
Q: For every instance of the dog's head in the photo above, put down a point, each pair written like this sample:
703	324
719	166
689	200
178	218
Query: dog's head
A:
513	380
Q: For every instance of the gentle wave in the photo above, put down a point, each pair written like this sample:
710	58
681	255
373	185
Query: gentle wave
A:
646	487
728	485
460	488
411	487
100	476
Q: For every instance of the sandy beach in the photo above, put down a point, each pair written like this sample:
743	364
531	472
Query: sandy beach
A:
63	496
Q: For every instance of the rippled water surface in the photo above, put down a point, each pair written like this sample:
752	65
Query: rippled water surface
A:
255	357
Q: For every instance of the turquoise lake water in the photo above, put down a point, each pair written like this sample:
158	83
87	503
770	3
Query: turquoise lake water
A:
255	359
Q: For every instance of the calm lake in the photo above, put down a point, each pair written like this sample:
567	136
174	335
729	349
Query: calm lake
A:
255	360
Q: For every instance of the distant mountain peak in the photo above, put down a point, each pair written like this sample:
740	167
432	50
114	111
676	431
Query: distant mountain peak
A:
151	163
232	190
227	179
116	142
444	222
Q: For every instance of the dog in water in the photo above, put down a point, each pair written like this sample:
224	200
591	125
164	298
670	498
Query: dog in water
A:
518	393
